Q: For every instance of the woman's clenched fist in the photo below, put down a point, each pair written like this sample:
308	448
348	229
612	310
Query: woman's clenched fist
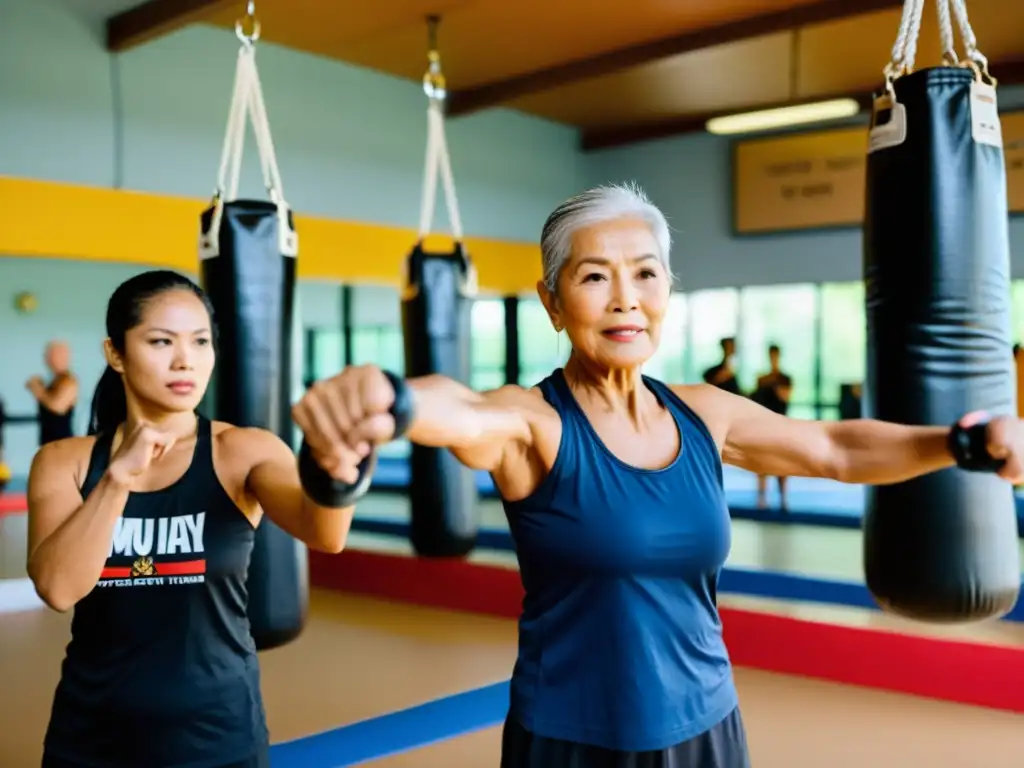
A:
343	418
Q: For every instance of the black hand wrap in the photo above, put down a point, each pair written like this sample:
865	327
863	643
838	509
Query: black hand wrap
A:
401	410
969	448
327	492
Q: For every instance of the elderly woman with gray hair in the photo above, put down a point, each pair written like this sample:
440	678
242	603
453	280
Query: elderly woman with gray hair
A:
612	484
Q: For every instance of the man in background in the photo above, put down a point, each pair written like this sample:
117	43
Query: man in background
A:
723	375
773	392
56	399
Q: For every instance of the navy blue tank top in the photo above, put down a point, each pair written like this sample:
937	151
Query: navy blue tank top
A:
161	668
620	643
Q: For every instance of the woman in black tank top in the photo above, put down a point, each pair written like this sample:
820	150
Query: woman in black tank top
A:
146	529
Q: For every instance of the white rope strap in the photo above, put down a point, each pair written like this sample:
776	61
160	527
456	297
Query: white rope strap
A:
904	50
437	157
247	101
247	106
438	160
949	53
967	34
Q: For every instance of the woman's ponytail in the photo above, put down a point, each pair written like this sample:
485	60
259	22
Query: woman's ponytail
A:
109	405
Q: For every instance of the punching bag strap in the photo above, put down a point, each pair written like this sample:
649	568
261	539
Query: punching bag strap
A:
437	157
904	50
889	118
247	105
438	161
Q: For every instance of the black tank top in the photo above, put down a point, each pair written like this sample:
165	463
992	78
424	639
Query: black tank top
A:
161	669
54	426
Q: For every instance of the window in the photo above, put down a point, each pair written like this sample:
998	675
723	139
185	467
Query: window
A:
668	363
541	350
488	344
1017	312
785	315
380	345
327	356
843	350
713	316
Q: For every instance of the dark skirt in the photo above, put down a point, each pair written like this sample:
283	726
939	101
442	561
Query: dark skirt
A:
723	746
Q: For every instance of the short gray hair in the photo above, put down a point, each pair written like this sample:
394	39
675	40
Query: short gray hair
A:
597	205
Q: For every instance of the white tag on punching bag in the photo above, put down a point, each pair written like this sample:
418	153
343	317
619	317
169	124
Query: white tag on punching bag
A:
985	126
888	124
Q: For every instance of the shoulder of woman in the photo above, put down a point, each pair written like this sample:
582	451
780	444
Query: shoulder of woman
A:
513	394
245	443
713	405
70	454
529	400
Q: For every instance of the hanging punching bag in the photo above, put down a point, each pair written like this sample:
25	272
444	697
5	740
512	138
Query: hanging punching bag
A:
436	309
943	547
436	306
248	252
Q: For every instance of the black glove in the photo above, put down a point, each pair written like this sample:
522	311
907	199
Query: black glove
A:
968	446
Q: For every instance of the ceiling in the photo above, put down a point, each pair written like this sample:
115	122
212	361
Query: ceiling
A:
619	71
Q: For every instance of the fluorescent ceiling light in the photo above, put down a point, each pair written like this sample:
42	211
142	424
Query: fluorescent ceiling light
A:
781	117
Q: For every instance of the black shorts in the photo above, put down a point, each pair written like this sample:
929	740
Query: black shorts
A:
260	760
723	746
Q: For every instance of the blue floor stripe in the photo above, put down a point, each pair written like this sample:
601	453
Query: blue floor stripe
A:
397	732
474	710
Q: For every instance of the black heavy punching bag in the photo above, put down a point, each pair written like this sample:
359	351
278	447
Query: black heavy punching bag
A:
943	547
248	251
436	310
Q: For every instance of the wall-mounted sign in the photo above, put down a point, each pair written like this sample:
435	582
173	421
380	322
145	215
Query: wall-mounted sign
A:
816	180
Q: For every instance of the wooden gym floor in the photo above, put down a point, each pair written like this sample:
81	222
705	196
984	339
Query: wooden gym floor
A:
361	658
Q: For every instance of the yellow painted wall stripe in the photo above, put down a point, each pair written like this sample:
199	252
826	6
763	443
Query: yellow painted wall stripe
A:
47	219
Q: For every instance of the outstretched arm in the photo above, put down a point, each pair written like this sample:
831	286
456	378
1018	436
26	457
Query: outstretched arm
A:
344	418
477	427
273	481
861	451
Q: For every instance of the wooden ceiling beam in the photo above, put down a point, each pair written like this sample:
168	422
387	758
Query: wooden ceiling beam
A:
156	18
1010	72
465	101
